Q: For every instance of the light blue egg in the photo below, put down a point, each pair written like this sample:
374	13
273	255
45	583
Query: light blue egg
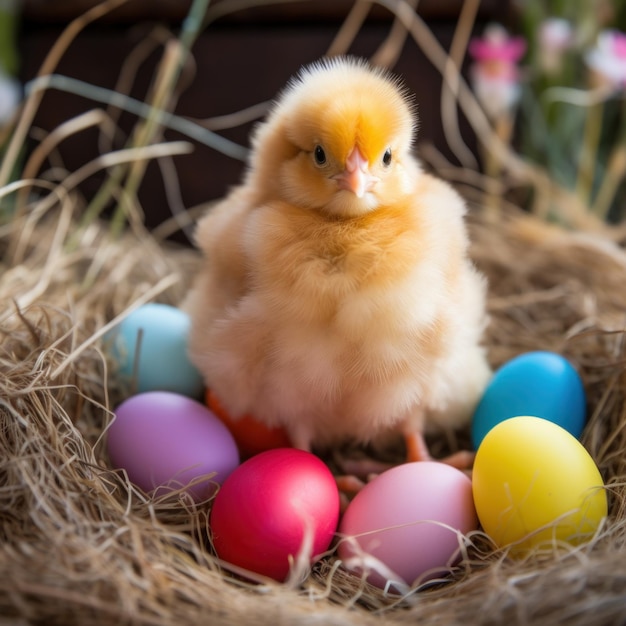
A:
150	346
539	384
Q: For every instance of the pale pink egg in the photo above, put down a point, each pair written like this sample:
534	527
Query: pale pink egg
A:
408	524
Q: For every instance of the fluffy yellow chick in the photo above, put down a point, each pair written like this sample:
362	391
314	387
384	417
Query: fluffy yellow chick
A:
336	298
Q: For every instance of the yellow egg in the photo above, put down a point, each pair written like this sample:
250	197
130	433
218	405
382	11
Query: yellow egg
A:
534	483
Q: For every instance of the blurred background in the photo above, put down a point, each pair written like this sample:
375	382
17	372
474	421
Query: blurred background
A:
241	59
540	129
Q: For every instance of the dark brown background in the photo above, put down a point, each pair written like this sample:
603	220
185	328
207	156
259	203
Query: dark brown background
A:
242	59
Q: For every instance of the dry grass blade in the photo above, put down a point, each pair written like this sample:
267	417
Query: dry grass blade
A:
52	59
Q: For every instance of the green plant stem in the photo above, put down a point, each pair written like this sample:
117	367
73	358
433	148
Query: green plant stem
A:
503	127
589	153
182	125
615	171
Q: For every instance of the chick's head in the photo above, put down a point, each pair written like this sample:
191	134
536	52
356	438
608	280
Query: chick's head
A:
340	138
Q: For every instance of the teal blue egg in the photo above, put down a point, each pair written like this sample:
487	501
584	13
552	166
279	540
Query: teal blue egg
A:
540	384
150	347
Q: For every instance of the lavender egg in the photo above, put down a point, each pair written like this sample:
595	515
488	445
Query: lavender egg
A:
166	441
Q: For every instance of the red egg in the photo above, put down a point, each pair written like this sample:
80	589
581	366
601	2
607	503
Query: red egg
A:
265	509
252	437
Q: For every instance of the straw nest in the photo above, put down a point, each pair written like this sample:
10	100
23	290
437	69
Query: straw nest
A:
80	545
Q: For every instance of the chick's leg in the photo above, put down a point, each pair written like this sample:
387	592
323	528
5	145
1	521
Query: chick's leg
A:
417	450
349	483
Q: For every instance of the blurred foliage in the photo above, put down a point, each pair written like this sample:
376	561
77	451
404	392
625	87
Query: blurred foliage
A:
8	36
567	121
10	90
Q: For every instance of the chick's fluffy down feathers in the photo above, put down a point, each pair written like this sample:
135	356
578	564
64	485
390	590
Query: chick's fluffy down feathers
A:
338	311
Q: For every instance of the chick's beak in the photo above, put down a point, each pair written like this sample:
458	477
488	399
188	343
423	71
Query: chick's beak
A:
356	177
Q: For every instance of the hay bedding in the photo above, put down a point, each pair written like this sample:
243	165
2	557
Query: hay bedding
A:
80	545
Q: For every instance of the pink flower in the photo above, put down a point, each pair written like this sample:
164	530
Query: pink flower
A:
495	73
555	37
607	60
496	44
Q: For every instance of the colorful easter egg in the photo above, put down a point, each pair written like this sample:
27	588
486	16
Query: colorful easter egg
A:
535	484
543	384
150	347
406	525
165	441
272	507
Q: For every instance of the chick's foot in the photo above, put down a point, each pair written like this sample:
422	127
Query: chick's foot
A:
417	450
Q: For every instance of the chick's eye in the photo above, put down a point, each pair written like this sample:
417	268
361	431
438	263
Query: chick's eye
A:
387	157
319	155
